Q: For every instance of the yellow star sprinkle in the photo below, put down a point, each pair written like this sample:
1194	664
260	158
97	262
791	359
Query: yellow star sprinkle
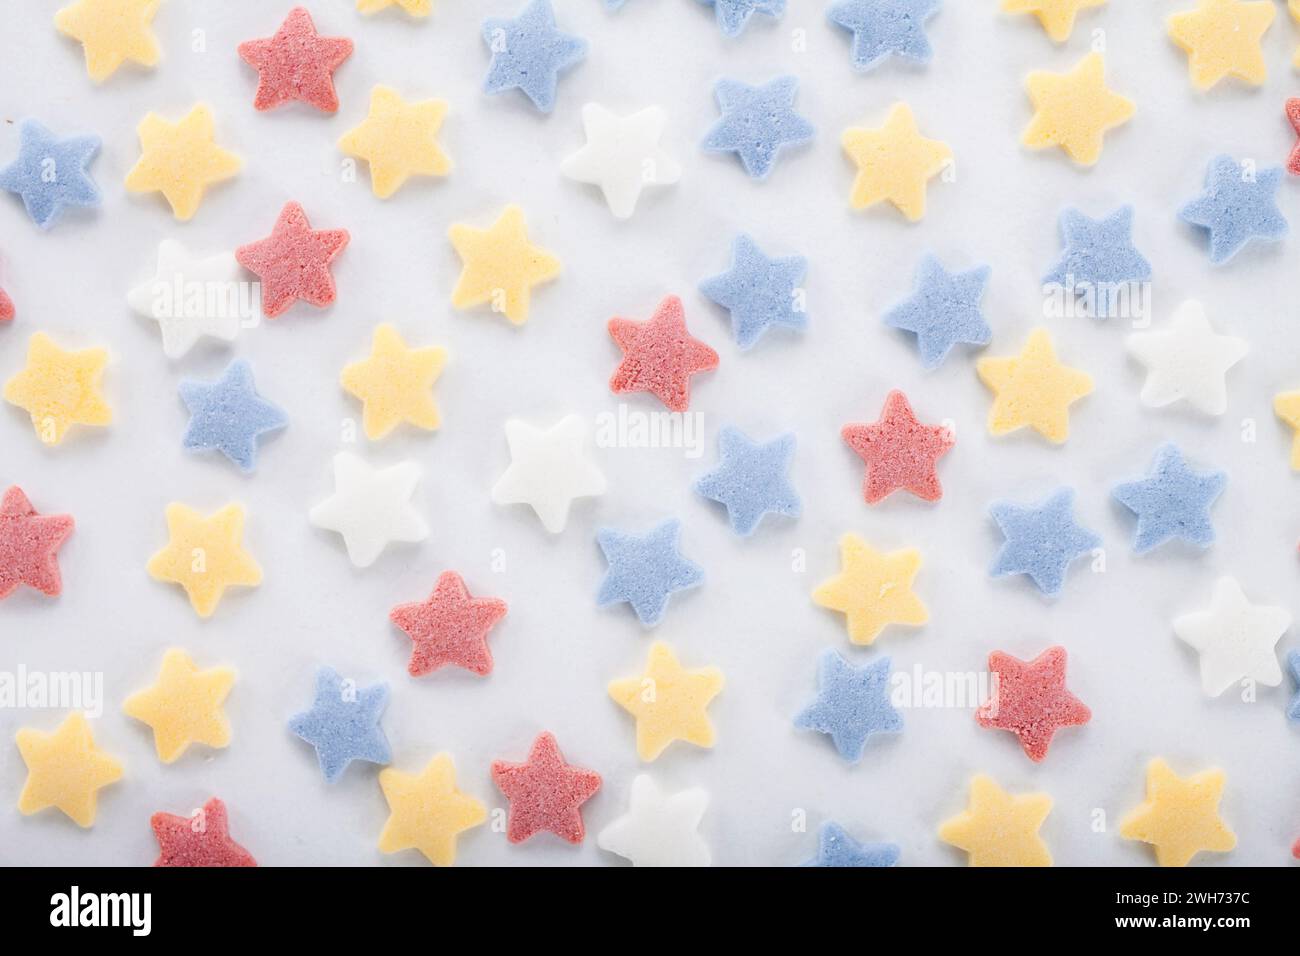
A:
500	265
184	706
416	8
1056	16
395	384
1222	38
668	702
59	389
398	140
1033	389
1074	110
1287	408
204	555
64	769
426	811
873	589
1294	7
894	162
180	160
1180	816
110	32
998	829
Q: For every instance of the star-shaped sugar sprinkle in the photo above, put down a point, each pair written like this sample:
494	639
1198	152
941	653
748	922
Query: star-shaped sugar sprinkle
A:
64	769
426	811
1236	640
1041	541
399	140
29	545
900	452
1186	361
659	829
760	292
645	570
6	307
660	356
371	507
1099	263
180	160
192	298
184	706
51	174
751	479
894	162
343	723
999	828
529	53
1033	389
676	708
229	416
882	28
1172	501
414	8
449	628
943	310
1074	110
1180	816
59	389
732	15
201	839
622	156
395	383
111	32
293	262
1222	39
545	792
873	589
499	266
1056	16
1030	699
296	64
205	555
852	704
1293	705
1238	204
549	469
1286	405
757	123
837	848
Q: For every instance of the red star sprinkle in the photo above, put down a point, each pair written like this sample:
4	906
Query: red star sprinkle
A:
545	793
29	543
6	307
1295	849
1293	114
1030	700
296	64
449	628
202	839
660	356
899	451
294	261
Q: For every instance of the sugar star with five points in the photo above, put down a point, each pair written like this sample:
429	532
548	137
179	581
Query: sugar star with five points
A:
757	123
873	589
64	769
1041	541
1236	640
184	706
200	839
205	555
399	140
549	468
1180	816
1186	361
545	792
668	702
645	570
751	479
1030	699
190	298
1033	389
1237	204
760	292
852	703
371	507
659	829
894	163
1099	261
427	812
529	53
622	156
1222	38
1074	110
296	64
51	174
836	848
229	416
901	453
943	310
1056	16
293	262
395	384
1172	501
180	160
343	723
1286	405
883	28
449	627
110	33
500	266
29	545
60	389
999	828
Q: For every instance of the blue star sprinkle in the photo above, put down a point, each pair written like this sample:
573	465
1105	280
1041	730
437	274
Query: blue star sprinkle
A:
528	54
1239	204
756	122
734	14
882	27
751	479
51	173
759	292
644	569
1172	501
1099	261
229	415
852	704
836	848
944	309
1041	542
343	723
1293	665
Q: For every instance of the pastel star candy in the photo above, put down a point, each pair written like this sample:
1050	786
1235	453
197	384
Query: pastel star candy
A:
1099	263
399	140
395	384
660	356
1293	117
622	156
201	839
659	829
751	480
499	266
999	828
1030	699
545	792
1056	16
293	262
944	310
757	123
549	469
873	589
668	702
852	704
60	389
882	28
297	64
1286	405
64	769
6	307
343	723
1293	706
205	556
529	53
1033	390
894	163
229	416
111	32
450	628
1236	640
1041	542
371	507
836	848
184	706
1180	816
732	15
760	293
180	160
51	174
427	812
29	545
1222	38
1074	110
1172	501
645	569
900	452
1238	204
415	8
1186	361
192	298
